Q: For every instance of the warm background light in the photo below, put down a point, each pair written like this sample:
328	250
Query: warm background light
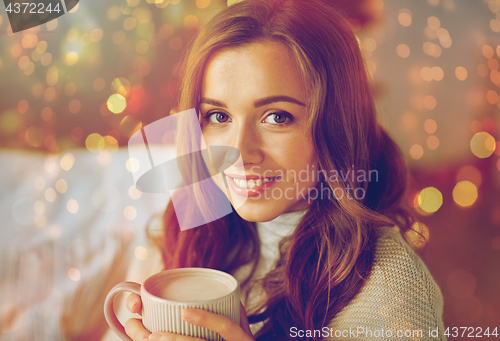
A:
482	145
430	199
465	193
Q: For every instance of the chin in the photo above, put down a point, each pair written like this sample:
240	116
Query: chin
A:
257	214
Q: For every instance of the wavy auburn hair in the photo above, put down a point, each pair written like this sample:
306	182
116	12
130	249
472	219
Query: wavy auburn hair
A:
329	256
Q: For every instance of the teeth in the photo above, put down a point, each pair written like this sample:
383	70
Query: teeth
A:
252	183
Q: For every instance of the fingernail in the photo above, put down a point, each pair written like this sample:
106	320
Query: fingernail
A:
155	337
133	308
188	314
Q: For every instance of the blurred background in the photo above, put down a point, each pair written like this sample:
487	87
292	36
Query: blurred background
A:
73	90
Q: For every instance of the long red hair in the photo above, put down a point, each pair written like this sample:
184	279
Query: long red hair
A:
329	256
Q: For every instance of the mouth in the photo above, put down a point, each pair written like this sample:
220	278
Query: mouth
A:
251	185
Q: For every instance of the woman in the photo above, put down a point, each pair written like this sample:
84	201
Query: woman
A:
284	83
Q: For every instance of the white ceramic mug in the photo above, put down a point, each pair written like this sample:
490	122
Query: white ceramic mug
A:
165	294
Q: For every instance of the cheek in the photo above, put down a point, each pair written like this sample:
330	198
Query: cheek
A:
302	166
300	155
211	139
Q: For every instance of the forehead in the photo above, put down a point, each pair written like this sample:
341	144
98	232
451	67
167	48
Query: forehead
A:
256	69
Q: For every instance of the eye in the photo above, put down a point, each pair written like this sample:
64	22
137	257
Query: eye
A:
277	118
218	117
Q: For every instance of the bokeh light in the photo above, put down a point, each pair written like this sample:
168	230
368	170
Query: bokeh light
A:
130	213
403	50
432	49
488	51
430	101
432	142
465	193
22	106
72	58
47	114
430	200
495	25
430	126
202	3
61	186
132	165
434	23
95	142
39	207
404	17
141	253
75	106
461	73
416	151
72	206
493	64
482	145
67	161
121	86
116	103
74	274
134	193
492	96
50	195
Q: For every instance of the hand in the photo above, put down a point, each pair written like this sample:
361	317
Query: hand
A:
134	327
222	325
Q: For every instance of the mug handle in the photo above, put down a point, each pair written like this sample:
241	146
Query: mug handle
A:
109	312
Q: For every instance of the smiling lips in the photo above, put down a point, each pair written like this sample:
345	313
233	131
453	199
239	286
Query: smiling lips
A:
250	185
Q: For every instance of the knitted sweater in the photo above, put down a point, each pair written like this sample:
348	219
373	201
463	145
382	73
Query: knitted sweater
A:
400	294
400	300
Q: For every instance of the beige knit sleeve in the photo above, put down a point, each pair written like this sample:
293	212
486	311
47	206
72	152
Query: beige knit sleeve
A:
400	301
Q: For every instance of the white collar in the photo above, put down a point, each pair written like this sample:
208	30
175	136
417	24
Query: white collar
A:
283	225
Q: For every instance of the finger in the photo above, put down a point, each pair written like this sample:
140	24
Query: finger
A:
226	327
166	336
134	303
244	320
136	331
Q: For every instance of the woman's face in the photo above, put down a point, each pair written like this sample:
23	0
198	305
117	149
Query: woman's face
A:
254	99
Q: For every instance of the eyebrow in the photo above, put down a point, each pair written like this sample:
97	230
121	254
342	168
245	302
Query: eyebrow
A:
256	104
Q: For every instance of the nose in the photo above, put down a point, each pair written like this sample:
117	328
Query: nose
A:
245	137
